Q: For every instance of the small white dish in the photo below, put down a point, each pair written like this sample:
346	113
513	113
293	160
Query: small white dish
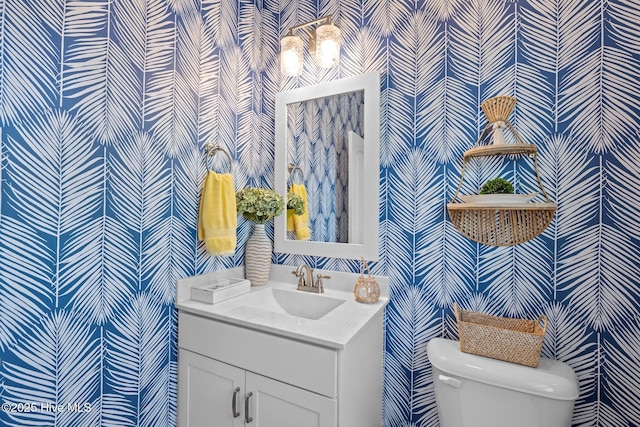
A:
498	198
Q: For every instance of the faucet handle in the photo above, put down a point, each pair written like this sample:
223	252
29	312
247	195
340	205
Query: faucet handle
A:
319	284
299	273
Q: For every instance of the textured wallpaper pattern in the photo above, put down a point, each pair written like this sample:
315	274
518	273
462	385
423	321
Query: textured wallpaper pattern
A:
574	68
105	105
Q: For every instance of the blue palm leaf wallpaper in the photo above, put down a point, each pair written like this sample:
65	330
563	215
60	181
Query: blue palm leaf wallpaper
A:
105	106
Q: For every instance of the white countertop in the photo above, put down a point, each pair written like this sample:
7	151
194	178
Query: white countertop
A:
258	309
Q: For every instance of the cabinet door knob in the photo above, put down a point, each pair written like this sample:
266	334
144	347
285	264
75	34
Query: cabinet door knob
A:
247	418
234	410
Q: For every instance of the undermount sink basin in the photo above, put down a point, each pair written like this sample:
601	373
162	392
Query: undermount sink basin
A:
304	304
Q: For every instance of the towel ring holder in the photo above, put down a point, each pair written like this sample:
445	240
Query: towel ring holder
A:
292	169
211	152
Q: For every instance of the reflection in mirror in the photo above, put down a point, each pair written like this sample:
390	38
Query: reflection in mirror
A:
320	135
327	150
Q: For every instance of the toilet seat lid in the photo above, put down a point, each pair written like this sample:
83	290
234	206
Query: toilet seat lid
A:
552	379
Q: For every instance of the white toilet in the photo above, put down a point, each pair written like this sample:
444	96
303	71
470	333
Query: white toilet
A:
475	391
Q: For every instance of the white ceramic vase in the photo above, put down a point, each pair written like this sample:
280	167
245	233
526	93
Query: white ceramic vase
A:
257	256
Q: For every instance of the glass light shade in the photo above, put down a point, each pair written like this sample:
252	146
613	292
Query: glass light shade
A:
291	55
327	45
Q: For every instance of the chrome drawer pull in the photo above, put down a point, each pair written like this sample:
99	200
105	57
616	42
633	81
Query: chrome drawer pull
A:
247	418
236	414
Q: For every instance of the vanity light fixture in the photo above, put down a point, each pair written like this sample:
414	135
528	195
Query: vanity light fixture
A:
324	45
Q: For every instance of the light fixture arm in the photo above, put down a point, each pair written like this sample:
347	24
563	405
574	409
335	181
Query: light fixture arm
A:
323	20
312	34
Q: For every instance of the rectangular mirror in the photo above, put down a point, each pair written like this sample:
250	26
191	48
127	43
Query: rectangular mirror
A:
328	141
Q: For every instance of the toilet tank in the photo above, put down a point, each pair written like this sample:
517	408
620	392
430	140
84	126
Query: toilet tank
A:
475	391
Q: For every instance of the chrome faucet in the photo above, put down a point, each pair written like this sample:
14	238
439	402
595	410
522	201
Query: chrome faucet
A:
304	273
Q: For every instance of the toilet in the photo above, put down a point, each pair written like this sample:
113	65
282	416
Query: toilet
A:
475	391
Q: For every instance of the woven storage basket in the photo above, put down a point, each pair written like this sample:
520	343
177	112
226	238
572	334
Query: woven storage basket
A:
512	340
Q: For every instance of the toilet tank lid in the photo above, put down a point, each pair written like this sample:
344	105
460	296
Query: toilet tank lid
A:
551	379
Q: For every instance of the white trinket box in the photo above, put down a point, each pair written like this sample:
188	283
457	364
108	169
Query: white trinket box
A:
220	290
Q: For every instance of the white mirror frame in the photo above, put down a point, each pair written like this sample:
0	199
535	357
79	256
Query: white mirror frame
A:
370	84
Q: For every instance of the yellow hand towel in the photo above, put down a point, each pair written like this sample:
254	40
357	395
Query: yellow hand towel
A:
301	222
290	215
218	217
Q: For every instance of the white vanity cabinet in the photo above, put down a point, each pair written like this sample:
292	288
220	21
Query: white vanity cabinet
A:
204	387
220	395
276	381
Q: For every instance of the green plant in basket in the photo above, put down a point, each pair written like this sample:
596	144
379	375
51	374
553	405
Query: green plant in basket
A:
497	186
295	203
259	204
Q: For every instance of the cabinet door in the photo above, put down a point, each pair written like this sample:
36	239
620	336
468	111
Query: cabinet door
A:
206	390
276	404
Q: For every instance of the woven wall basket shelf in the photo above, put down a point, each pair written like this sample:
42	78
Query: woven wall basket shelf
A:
501	224
501	150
